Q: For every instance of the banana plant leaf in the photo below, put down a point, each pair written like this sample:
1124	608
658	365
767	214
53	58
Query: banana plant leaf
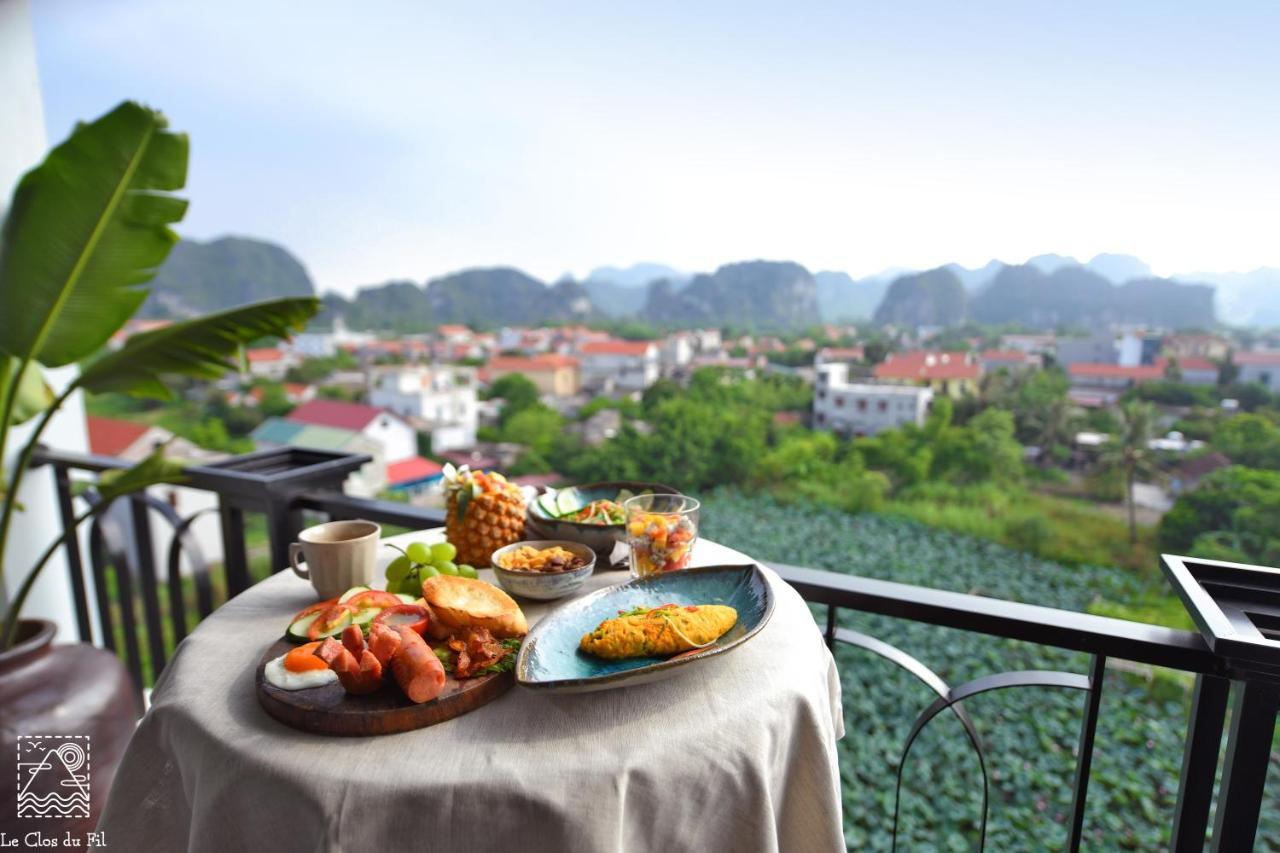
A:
202	348
33	393
86	229
151	471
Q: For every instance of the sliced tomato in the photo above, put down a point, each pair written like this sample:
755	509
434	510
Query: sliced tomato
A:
315	608
374	598
412	616
331	621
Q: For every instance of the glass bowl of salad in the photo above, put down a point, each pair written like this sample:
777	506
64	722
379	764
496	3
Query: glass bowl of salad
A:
661	530
591	513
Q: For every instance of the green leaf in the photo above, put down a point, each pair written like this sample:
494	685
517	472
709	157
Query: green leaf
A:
34	393
201	348
155	469
85	230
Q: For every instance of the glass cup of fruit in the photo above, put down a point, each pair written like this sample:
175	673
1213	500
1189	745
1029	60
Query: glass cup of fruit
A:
661	530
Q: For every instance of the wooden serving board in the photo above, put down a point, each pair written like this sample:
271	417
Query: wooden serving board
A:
330	710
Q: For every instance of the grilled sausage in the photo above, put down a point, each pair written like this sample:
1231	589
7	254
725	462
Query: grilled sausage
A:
416	668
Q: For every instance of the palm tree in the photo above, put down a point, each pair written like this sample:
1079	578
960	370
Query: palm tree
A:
1131	453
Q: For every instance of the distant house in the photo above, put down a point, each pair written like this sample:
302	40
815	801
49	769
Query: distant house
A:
437	400
284	432
676	352
1187	474
390	432
1037	343
865	408
1010	359
133	442
839	355
1195	346
270	362
413	474
618	366
1194	370
599	428
554	375
951	374
1261	367
1113	376
1097	348
454	334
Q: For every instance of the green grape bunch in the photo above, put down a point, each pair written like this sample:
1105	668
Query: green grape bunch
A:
420	561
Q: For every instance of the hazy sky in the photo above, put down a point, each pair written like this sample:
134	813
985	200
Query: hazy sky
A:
384	140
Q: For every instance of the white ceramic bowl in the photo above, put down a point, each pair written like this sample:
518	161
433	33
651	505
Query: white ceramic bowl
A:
543	586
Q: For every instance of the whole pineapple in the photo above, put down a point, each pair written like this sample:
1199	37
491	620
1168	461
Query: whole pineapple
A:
484	512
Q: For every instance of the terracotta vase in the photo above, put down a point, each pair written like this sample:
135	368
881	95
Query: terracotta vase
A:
78	691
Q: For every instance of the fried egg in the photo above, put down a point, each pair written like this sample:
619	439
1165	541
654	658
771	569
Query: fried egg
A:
300	669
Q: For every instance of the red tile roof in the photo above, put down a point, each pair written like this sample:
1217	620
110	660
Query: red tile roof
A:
1093	370
411	470
1192	363
335	413
111	437
634	348
1259	358
1004	355
448	329
927	366
295	389
264	354
531	364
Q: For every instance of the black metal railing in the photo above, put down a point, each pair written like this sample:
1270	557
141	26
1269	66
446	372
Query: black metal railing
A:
118	559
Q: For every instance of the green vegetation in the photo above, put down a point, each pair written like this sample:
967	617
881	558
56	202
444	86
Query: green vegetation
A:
1234	514
1029	735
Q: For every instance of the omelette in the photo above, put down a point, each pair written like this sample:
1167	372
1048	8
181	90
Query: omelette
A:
659	631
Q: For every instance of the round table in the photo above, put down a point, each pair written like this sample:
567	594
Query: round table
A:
735	754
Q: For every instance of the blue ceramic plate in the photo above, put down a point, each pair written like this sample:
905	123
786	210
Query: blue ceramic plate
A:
549	659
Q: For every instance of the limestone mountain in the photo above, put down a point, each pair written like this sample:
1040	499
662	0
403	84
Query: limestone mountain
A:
763	295
932	298
200	277
1077	297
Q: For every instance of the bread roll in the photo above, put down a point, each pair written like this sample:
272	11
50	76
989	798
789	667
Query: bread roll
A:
459	603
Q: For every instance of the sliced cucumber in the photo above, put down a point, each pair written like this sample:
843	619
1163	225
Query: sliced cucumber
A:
351	593
547	503
567	501
407	599
338	628
365	616
297	631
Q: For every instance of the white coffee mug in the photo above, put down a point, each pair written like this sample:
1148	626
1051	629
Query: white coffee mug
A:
339	555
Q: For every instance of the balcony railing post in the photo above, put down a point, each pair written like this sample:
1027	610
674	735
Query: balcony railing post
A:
1084	759
75	563
234	559
1199	763
1244	772
144	547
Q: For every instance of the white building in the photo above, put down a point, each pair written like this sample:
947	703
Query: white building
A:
676	353
439	400
1260	367
619	366
388	430
270	363
865	408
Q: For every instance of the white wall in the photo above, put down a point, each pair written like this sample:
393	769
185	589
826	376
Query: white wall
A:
397	438
22	146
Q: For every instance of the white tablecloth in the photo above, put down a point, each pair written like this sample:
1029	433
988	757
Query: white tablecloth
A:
735	754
